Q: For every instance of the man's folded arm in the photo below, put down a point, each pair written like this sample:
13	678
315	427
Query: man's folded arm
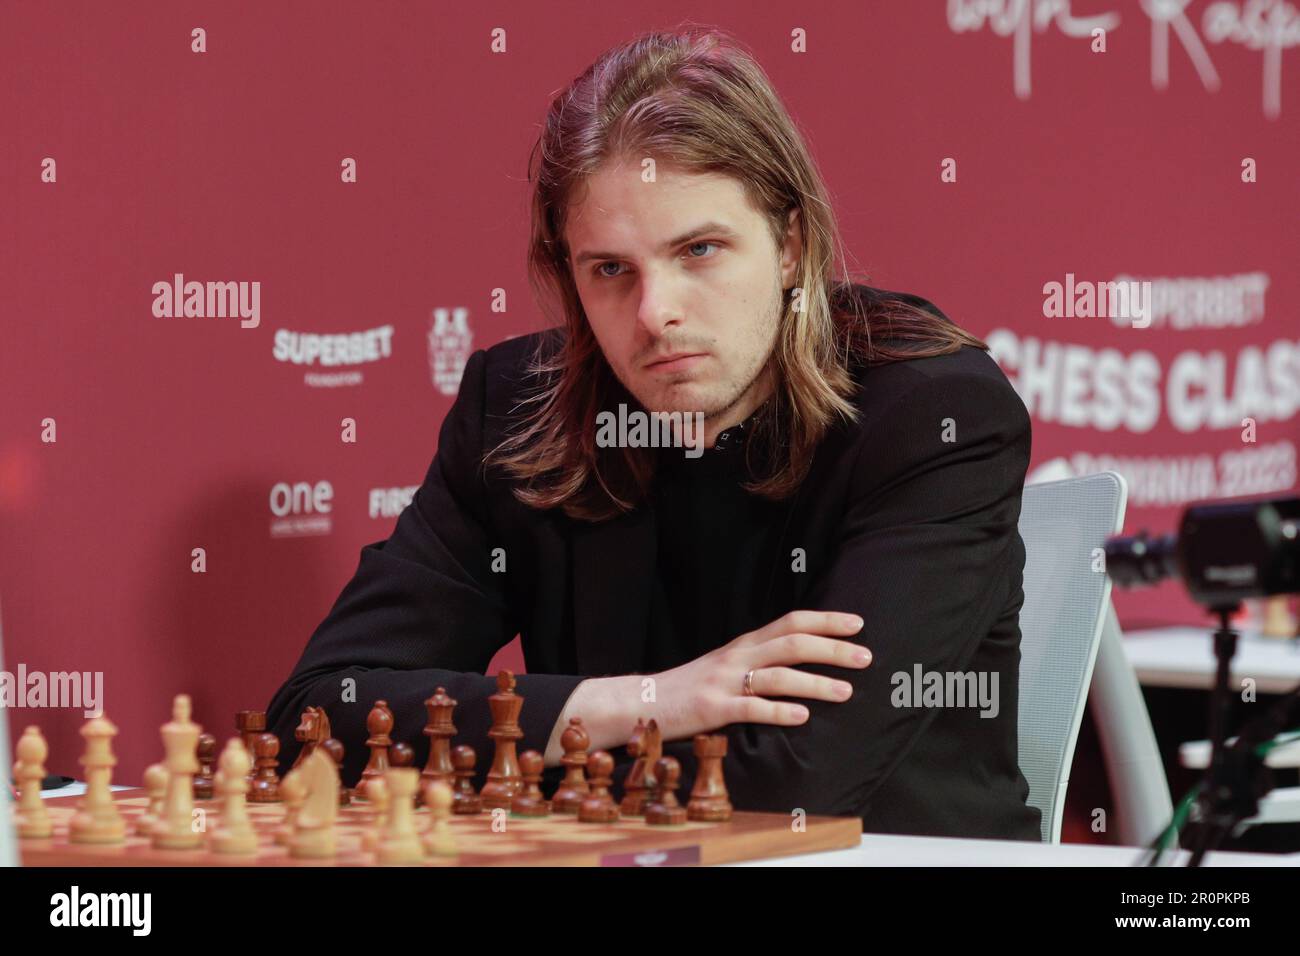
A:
423	610
924	558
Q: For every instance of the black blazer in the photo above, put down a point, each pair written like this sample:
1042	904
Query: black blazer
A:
916	534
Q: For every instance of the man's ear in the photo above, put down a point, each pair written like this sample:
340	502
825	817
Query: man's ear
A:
792	250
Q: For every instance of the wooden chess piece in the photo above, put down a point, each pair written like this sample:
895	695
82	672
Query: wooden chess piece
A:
664	810
313	837
293	792
250	724
29	770
175	827
205	753
634	788
573	788
234	833
709	802
333	748
646	745
653	747
464	799
313	729
600	806
401	755
379	724
378	800
97	819
504	781
155	788
266	784
400	841
439	730
439	840
530	802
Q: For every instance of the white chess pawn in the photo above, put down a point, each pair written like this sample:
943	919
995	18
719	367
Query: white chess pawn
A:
234	832
155	787
97	819
439	841
377	795
29	771
293	791
400	841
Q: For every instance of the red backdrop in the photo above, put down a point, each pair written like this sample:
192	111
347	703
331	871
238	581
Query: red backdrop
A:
173	434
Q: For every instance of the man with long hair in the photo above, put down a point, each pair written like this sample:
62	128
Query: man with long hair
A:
812	570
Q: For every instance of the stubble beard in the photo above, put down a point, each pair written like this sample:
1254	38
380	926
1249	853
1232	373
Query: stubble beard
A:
725	397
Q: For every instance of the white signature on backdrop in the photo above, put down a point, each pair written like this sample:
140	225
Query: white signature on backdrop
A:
1268	26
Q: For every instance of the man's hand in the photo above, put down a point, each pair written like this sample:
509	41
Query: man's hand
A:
709	692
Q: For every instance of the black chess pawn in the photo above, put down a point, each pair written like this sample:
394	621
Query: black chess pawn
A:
401	755
464	799
334	748
573	789
206	752
600	806
266	784
664	810
531	803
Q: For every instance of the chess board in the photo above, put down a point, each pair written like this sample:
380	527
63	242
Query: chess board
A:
483	839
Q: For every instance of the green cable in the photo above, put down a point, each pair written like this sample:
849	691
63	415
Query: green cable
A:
1181	813
1184	808
1282	738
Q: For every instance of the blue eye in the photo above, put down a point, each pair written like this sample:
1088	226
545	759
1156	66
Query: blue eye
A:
599	272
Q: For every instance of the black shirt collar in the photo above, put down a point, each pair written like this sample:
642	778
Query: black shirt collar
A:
725	459
733	438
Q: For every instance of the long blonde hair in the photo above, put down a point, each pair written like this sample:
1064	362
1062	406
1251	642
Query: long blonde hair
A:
697	100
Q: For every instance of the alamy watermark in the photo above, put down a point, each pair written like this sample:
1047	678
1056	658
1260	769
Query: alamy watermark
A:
54	689
1127	300
922	688
130	910
640	429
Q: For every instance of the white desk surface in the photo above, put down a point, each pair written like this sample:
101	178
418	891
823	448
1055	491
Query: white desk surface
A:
1184	657
886	850
75	789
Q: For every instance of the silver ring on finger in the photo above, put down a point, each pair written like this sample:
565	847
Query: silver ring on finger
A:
749	683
